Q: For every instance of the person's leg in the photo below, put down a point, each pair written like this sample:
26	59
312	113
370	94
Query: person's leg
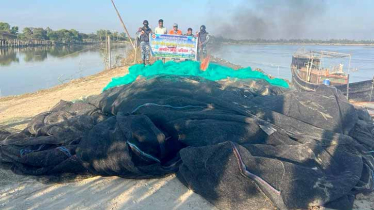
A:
204	52
198	54
143	51
147	52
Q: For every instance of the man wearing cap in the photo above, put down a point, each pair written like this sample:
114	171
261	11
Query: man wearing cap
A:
160	29
143	37
175	30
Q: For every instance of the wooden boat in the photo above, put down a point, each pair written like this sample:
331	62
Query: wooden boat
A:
308	74
369	106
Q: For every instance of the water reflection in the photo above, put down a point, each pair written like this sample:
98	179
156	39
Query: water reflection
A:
7	57
26	70
39	54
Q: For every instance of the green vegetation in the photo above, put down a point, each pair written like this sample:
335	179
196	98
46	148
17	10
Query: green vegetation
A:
60	36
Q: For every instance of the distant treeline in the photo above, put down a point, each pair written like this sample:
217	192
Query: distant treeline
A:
292	41
59	36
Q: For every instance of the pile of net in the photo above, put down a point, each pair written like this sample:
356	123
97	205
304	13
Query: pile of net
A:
243	144
214	72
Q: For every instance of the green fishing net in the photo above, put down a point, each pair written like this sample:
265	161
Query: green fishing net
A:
191	68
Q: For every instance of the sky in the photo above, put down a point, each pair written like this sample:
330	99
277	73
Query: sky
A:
240	19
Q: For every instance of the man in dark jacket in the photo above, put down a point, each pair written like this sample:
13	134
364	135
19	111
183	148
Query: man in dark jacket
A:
143	37
202	43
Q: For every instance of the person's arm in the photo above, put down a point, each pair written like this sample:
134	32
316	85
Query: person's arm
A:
139	32
206	40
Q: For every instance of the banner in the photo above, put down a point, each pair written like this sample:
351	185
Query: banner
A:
173	46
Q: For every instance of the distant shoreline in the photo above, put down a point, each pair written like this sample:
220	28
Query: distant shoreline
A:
296	43
29	44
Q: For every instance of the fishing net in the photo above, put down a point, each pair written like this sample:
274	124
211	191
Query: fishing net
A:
242	144
214	72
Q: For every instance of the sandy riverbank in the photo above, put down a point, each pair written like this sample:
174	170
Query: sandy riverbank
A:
16	111
21	192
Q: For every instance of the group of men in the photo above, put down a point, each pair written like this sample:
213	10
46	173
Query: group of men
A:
144	32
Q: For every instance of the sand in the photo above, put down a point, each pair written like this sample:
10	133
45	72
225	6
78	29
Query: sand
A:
100	193
22	192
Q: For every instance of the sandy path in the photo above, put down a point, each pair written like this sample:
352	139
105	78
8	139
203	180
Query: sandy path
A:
20	192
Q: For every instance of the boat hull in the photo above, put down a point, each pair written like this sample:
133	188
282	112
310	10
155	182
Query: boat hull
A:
358	91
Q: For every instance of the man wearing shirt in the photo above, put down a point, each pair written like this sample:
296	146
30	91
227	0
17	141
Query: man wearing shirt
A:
175	30
189	32
160	29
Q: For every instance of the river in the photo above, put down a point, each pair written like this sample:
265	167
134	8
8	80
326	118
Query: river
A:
32	69
276	59
27	70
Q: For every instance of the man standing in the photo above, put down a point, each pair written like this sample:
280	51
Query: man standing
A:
203	41
175	30
189	32
160	29
143	37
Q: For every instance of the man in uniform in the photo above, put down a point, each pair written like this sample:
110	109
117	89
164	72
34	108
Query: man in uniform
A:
143	37
202	42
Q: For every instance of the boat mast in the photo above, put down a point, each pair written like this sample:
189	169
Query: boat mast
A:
310	66
320	68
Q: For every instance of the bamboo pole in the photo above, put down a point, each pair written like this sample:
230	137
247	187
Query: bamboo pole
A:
109	53
349	68
136	55
348	87
123	24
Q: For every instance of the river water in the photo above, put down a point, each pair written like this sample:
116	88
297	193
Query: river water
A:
276	59
28	70
32	69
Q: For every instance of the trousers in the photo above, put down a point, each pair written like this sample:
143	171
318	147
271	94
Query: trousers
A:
145	50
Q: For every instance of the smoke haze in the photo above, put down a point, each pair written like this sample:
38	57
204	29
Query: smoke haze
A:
270	19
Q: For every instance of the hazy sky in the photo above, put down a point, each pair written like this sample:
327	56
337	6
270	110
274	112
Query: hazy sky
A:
323	19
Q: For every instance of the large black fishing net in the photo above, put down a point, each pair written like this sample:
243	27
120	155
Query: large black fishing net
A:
239	144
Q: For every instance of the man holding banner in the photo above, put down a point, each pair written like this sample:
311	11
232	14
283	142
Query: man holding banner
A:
160	29
175	30
143	37
189	32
